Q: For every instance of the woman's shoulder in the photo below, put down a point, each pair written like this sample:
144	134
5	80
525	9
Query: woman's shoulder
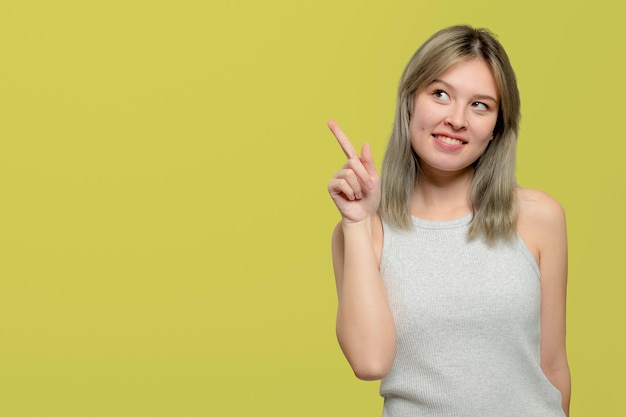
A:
541	221
538	206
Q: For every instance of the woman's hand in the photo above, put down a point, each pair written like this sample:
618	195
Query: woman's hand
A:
355	189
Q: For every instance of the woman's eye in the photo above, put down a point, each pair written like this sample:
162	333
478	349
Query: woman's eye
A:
441	95
480	106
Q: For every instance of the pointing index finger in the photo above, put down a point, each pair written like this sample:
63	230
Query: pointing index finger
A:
343	140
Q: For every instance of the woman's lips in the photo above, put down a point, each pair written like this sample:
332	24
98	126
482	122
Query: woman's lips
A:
449	140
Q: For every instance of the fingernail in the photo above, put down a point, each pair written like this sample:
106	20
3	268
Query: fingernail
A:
359	196
370	184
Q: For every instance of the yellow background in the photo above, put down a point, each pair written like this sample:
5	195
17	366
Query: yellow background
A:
164	220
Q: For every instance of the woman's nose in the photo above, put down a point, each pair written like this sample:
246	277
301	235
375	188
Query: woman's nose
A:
456	117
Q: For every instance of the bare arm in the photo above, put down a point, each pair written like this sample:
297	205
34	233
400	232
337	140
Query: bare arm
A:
365	328
543	225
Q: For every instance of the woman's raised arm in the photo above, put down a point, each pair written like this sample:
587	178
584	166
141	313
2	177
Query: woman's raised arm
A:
365	327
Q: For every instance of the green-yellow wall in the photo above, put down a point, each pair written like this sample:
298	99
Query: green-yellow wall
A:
164	220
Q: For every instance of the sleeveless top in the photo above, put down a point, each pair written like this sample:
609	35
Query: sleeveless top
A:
467	325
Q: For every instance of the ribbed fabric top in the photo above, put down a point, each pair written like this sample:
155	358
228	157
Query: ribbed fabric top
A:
467	325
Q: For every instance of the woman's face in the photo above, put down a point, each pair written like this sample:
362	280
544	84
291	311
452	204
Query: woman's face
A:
454	117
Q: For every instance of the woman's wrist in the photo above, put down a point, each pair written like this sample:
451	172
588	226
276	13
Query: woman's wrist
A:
359	226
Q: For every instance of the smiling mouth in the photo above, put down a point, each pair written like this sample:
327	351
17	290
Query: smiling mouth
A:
449	140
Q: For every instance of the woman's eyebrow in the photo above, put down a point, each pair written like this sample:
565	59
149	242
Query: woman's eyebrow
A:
484	97
476	97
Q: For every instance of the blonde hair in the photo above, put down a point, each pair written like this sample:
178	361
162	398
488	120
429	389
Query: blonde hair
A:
492	191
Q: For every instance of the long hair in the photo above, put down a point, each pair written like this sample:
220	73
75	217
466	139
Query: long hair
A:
492	191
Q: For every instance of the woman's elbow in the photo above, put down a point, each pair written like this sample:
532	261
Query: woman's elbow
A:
372	370
370	374
371	358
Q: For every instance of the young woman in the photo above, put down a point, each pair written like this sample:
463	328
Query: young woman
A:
451	279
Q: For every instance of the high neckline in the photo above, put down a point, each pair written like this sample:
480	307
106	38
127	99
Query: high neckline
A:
442	224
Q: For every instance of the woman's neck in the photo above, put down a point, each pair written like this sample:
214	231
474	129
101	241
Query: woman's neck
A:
442	195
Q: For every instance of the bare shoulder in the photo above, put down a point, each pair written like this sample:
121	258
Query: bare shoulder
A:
538	207
541	221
